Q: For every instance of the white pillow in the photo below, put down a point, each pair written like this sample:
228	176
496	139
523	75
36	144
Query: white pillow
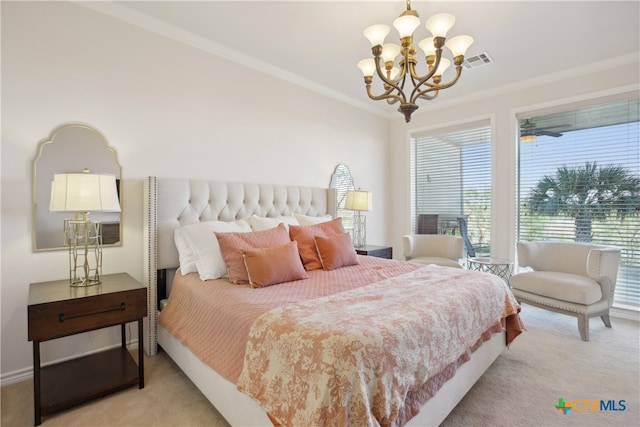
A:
200	246
259	223
185	254
311	220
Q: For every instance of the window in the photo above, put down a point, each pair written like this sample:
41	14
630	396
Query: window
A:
451	185
579	175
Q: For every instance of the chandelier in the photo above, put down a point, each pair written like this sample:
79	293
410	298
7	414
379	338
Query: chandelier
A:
394	77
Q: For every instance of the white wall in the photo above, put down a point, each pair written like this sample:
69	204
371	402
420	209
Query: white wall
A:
169	110
584	86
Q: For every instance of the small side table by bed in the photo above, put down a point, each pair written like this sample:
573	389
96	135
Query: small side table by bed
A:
56	310
500	267
377	251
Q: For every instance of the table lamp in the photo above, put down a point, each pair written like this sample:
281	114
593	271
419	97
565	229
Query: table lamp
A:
83	193
359	201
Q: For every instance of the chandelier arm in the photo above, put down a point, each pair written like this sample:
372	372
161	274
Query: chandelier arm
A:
435	87
423	94
400	83
452	81
418	81
393	84
386	95
432	69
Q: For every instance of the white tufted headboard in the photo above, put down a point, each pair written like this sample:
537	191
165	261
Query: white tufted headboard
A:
173	202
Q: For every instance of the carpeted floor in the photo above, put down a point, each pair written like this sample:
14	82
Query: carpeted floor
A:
521	388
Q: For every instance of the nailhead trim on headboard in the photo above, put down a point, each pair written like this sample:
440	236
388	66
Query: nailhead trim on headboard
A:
150	266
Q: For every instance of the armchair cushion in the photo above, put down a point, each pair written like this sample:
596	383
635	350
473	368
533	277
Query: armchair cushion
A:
561	286
445	262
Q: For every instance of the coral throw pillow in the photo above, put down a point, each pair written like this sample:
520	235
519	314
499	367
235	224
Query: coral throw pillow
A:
336	251
270	266
305	236
232	244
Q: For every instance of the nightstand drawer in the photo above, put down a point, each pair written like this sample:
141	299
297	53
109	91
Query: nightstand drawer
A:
60	318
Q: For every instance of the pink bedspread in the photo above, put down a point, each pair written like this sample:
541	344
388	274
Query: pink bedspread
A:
352	358
409	312
213	318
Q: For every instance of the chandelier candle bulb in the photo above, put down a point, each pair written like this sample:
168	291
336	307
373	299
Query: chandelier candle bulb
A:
394	75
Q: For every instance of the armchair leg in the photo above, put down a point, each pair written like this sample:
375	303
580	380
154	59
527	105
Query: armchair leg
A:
606	320
583	326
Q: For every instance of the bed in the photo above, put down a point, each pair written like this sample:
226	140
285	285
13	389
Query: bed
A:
297	338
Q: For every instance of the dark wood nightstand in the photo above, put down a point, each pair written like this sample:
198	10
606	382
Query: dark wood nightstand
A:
56	310
377	251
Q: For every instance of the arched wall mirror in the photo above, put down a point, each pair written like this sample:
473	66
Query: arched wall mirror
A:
72	148
342	181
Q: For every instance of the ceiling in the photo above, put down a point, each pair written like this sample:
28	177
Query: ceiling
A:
317	44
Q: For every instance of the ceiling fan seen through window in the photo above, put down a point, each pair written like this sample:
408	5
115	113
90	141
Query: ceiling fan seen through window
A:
530	131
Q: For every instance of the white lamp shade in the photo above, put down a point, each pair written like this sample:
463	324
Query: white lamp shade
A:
459	44
427	46
358	200
367	66
444	64
84	192
440	24
390	51
376	34
406	25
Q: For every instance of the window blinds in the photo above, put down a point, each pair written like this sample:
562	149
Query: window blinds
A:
451	176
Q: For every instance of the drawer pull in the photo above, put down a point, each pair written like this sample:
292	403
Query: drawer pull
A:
62	317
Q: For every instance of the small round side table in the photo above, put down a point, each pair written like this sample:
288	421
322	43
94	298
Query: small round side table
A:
500	267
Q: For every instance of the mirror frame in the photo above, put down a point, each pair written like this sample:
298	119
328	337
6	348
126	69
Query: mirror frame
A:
56	135
342	181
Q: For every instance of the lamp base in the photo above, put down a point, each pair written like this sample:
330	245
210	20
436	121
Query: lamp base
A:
84	239
360	231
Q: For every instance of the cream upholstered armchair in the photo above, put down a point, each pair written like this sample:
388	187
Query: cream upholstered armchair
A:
440	249
570	278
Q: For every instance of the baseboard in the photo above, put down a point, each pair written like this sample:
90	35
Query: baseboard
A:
26	374
16	377
623	312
